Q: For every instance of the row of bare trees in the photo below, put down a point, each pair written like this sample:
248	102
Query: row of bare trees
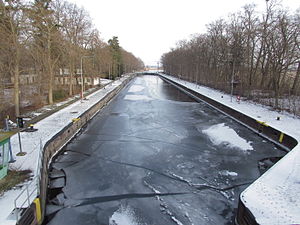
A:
43	37
259	53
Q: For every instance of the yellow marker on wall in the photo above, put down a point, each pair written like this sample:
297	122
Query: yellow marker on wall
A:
262	123
281	137
38	210
75	120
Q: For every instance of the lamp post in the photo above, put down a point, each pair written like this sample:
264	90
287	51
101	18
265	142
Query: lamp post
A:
81	73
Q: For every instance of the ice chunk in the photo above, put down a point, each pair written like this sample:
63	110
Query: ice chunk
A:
222	134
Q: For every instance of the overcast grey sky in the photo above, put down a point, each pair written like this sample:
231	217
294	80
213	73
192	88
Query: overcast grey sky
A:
149	28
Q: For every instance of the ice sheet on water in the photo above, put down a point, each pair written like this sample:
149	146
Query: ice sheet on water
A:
123	216
186	165
163	206
222	134
137	97
136	88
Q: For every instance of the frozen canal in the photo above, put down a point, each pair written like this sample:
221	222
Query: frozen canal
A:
155	156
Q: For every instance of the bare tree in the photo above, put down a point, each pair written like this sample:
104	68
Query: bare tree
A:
42	36
77	29
47	40
256	52
297	43
11	28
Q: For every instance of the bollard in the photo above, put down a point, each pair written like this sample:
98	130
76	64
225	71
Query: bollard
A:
20	124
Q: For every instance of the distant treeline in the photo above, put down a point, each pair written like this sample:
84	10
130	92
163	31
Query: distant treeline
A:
45	37
256	53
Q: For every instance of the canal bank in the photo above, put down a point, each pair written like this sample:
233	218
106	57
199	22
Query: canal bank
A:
154	155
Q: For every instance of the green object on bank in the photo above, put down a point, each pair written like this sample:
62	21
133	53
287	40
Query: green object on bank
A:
4	153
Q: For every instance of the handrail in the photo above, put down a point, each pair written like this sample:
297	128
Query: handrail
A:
27	198
35	183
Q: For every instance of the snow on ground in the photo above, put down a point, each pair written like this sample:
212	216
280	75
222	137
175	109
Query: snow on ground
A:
36	113
7	199
136	88
33	114
104	81
137	97
222	134
31	142
274	198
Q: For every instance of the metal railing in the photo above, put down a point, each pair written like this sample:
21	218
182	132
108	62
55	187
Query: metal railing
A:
33	187
27	193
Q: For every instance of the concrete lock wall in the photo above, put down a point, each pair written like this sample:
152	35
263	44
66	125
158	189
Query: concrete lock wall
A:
55	144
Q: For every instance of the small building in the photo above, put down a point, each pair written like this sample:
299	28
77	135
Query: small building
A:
76	80
26	79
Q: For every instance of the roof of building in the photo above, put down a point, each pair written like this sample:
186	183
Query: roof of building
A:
5	135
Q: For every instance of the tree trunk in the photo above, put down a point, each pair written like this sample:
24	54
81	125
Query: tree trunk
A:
17	78
276	106
276	87
71	71
17	85
296	80
50	72
50	91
